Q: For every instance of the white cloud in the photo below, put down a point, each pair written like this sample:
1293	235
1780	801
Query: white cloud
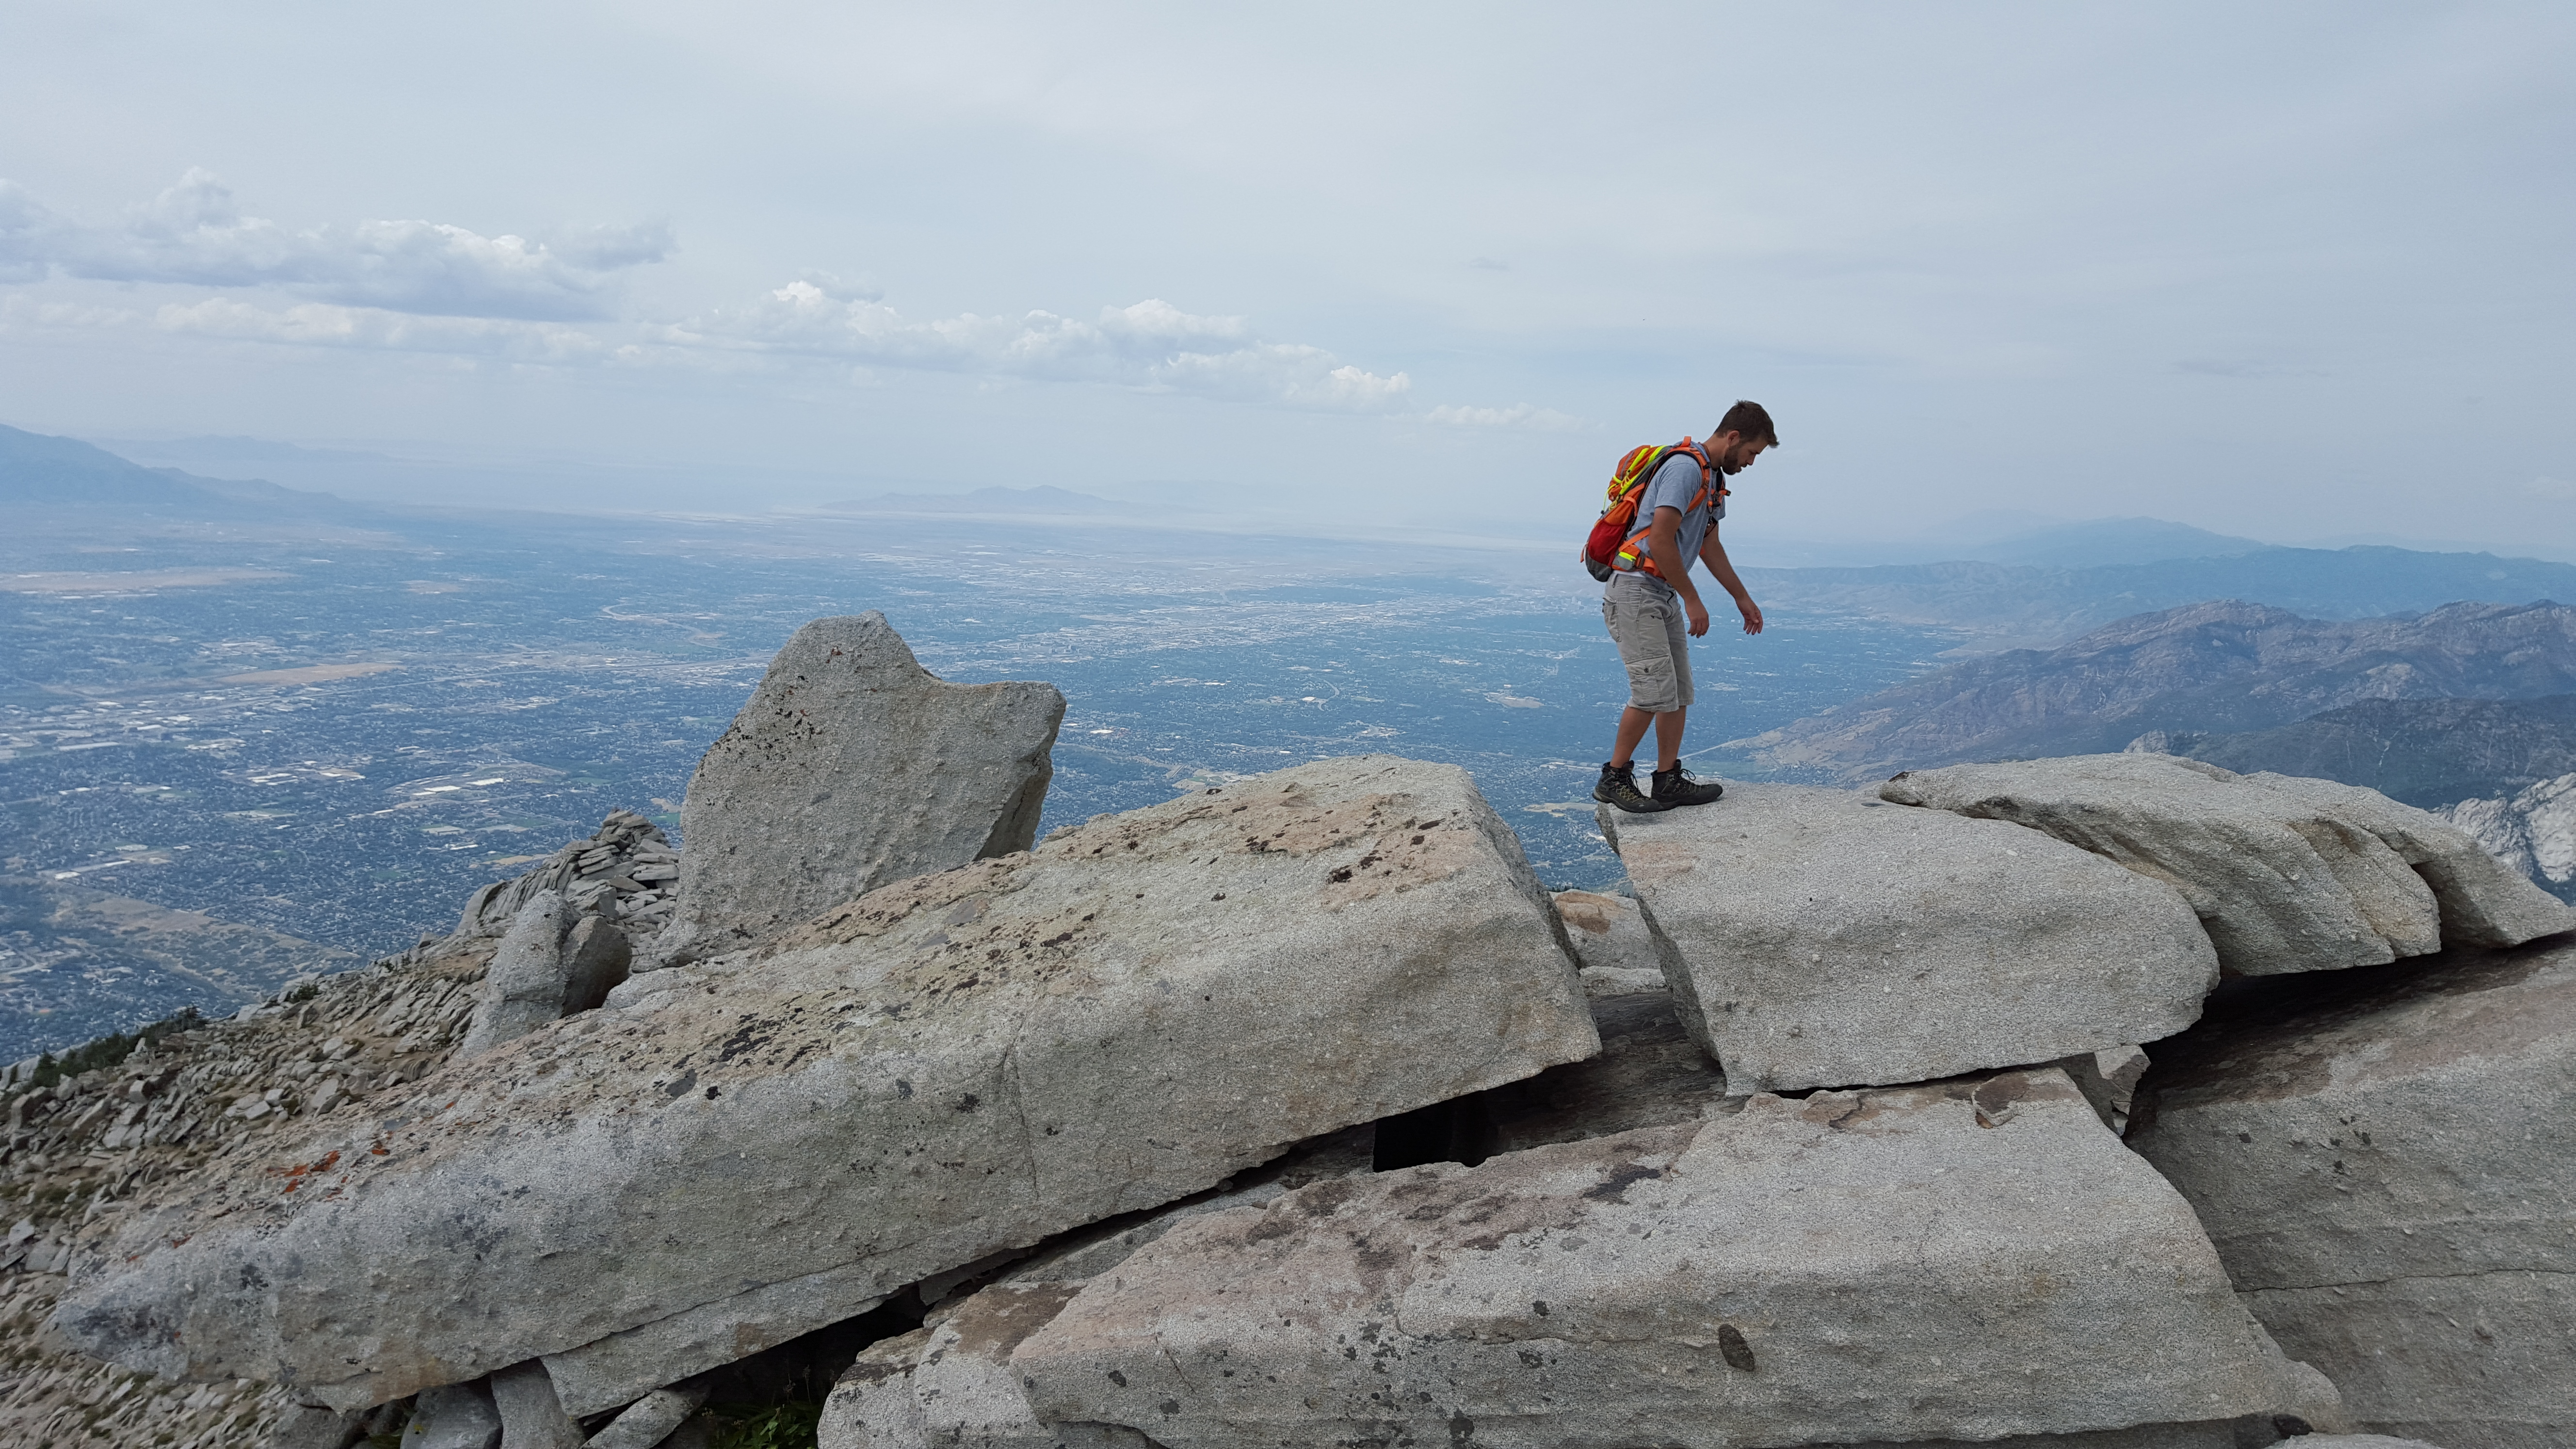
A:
195	234
1519	415
319	324
420	287
22	312
1152	345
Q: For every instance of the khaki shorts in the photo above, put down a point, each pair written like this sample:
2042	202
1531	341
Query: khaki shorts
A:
1645	620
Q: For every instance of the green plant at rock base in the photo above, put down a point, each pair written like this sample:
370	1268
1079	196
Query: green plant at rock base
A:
791	1425
108	1050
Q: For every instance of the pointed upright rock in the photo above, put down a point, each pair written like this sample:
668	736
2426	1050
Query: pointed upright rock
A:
851	767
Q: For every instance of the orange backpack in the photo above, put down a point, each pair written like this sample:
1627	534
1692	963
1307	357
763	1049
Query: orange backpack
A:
1613	546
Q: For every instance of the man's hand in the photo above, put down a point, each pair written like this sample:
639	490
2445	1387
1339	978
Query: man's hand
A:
1752	613
1697	613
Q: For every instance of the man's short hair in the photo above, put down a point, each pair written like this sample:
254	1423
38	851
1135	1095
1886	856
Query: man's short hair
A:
1747	420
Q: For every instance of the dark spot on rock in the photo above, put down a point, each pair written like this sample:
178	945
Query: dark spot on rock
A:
1220	895
1118	1378
1732	1347
1614	1188
1462	1430
1997	1098
712	1091
2291	1426
969	1102
1539	1307
902	1088
1169	1407
1337	877
1268	1228
682	1087
2244	1136
1324	1197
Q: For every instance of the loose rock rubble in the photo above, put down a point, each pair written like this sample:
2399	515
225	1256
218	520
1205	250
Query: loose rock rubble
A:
91	1152
627	872
1293	1112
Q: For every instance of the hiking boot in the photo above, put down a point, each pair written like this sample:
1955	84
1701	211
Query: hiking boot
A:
1619	787
1675	788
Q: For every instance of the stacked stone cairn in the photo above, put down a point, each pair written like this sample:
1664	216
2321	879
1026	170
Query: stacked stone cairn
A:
2105	1103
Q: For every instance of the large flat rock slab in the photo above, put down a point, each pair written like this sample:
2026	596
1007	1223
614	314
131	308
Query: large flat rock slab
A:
733	1153
2282	883
2483	901
1824	938
1972	1260
2389	1173
851	767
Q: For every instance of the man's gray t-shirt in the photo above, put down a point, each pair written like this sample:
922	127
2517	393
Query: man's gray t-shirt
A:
1674	485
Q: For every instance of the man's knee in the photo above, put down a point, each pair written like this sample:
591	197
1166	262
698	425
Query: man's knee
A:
1653	687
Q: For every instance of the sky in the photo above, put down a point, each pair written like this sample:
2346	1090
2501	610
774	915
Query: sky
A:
2297	271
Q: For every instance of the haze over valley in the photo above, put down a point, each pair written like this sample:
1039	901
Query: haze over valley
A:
318	725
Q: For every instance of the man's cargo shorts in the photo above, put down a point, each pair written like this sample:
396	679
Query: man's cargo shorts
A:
1645	620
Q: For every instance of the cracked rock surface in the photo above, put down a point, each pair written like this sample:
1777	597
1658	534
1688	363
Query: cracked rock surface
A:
851	767
1824	938
1610	937
734	1153
2389	1173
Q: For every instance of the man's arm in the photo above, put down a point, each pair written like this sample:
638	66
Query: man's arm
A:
1713	554
1664	538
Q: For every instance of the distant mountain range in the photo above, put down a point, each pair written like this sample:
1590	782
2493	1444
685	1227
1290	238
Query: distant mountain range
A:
2020	606
64	472
2244	685
2423	751
993	502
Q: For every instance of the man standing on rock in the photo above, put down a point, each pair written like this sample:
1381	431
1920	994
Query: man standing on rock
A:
1650	595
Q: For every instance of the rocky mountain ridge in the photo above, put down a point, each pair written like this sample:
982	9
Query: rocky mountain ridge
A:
2425	752
2003	605
1294	1111
2213	668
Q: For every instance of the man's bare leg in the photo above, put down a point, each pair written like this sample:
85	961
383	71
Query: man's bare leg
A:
1668	738
1632	733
